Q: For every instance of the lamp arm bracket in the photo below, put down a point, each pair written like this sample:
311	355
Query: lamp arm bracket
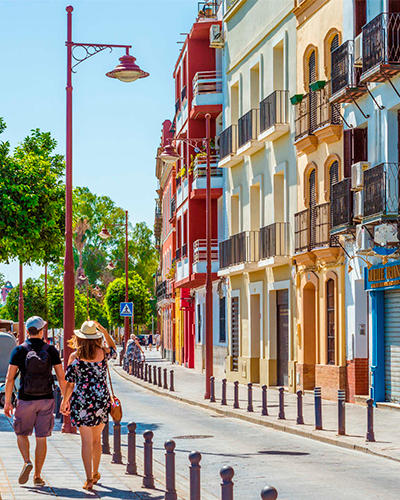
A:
90	50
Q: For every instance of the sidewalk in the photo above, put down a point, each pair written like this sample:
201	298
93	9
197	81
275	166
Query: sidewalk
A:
189	388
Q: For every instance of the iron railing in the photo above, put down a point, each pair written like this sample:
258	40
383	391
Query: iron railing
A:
239	249
341	203
178	181
381	41
184	250
248	128
303	121
228	141
200	251
326	112
200	166
344	73
177	105
208	8
184	93
312	228
207	82
275	240
381	190
302	235
173	206
322	227
164	290
178	253
274	109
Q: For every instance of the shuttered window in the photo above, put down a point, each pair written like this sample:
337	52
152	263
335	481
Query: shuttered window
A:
360	15
392	345
312	74
355	148
330	321
199	323
222	322
313	202
235	333
398	135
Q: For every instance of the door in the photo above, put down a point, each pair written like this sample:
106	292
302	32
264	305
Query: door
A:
235	333
313	204
392	345
282	322
255	332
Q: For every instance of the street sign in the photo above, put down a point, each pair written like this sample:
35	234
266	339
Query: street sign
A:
126	309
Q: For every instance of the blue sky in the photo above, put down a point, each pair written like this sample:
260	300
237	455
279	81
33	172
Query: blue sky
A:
117	126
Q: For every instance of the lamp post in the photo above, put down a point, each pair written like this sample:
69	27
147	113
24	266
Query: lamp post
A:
126	71
21	325
83	278
46	328
169	155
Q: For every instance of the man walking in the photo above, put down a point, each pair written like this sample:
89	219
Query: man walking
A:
35	405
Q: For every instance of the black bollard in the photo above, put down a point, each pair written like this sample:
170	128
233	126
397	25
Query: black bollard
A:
131	467
159	377
171	380
370	421
264	410
195	482
269	493
226	474
141	370
341	412
149	378
165	378
236	394
148	478
281	415
170	490
300	419
154	375
250	397
318	408
57	402
223	399
117	456
105	446
145	372
212	389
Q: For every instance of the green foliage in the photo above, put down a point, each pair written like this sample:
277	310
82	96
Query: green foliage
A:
34	300
137	293
55	304
2	280
31	199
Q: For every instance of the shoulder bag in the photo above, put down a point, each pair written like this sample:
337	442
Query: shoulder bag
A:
116	408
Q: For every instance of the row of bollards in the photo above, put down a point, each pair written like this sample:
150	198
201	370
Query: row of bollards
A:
151	374
226	473
299	418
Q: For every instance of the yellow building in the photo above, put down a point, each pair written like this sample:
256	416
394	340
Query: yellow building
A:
319	258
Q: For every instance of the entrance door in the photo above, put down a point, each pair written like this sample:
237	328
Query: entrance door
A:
235	333
255	332
392	345
282	322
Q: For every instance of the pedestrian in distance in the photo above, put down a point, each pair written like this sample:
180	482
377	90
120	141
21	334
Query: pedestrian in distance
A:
133	351
87	399
150	342
35	360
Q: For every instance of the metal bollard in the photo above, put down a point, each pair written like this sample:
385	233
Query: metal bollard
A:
227	474
154	375
165	378
223	399
300	419
171	380
269	493
318	408
141	370
250	397
195	483
149	378
117	456
57	402
170	490
370	421
264	410
281	415
148	478
145	372
159	377
131	467
236	394
212	389
105	446
341	412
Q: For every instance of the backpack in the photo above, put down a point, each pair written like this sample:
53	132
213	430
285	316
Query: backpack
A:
38	379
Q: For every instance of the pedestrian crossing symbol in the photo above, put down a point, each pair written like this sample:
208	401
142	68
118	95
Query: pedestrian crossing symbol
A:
126	309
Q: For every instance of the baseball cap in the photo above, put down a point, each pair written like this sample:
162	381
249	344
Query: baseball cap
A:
36	322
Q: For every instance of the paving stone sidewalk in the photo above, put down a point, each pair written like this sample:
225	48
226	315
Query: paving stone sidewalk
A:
189	387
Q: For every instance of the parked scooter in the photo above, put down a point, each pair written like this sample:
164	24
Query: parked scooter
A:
7	344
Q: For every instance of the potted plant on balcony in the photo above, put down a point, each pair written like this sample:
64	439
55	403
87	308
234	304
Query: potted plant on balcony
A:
296	98
171	273
318	85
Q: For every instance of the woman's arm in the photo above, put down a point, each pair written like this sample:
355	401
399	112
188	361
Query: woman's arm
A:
69	388
138	344
107	336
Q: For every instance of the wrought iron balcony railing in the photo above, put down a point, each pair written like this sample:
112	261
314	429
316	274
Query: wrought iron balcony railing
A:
200	166
207	82
381	190
208	8
248	127
184	93
178	253
342	204
184	250
275	240
241	248
344	73
228	141
177	105
326	112
312	228
200	251
164	291
173	206
274	110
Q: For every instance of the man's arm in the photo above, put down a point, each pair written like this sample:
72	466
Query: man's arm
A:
10	381
60	377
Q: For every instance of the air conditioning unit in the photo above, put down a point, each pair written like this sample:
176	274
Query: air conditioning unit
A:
364	242
358	51
357	177
358	205
216	40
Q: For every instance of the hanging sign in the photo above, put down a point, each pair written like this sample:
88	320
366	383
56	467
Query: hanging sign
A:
382	277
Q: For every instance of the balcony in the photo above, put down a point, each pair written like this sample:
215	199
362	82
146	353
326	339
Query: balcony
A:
381	192
172	208
381	48
274	244
177	106
228	141
178	253
240	253
207	94
184	251
274	116
184	94
342	206
248	131
200	256
164	291
199	182
345	76
208	9
329	126
158	222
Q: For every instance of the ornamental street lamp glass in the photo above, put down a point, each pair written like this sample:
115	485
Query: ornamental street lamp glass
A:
104	234
169	154
127	71
110	266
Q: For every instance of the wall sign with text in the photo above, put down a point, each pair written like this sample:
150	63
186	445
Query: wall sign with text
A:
382	277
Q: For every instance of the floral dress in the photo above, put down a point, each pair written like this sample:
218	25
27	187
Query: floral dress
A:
90	400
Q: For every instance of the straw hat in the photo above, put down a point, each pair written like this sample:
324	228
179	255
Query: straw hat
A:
89	331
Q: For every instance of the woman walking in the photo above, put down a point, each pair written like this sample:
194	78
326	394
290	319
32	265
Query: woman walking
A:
87	398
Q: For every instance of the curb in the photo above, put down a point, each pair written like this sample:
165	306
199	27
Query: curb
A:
298	431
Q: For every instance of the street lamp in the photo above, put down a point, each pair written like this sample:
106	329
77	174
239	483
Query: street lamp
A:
169	155
98	293
127	71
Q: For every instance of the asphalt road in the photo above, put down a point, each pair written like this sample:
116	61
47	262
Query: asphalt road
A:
297	467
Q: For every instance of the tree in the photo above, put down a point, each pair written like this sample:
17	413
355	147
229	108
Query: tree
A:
2	280
34	300
81	229
137	293
31	200
55	301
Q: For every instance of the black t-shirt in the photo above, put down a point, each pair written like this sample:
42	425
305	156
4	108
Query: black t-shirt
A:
18	359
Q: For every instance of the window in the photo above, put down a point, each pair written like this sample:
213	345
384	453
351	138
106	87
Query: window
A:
355	148
313	204
222	320
330	321
312	76
333	178
360	16
199	323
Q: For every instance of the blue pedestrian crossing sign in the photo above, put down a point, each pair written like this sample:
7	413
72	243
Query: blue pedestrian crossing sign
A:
126	309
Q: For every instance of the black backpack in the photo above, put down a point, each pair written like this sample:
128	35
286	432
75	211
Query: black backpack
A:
38	379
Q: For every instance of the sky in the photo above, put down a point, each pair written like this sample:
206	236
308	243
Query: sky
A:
117	126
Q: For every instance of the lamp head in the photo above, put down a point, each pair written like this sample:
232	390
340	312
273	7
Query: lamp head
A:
127	71
169	154
111	266
82	277
104	234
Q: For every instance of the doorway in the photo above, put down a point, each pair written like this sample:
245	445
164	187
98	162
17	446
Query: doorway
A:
255	332
282	323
